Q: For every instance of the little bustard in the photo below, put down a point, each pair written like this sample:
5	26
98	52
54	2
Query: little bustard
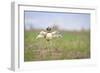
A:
48	35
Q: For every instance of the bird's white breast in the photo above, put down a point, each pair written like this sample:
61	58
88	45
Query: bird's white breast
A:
49	36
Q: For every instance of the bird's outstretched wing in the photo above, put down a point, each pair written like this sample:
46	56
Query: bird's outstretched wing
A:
54	32
42	34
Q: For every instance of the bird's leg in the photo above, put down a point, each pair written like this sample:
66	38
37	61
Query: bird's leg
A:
51	47
50	43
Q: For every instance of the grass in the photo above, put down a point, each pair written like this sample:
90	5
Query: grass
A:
73	45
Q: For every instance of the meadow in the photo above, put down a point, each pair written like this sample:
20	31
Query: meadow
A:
72	45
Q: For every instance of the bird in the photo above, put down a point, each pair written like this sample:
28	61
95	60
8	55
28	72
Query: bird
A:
48	35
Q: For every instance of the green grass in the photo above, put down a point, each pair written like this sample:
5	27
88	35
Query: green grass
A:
73	45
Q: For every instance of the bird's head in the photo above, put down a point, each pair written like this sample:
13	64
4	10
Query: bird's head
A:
48	29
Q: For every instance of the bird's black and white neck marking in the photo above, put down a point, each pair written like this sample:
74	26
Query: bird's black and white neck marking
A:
48	29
